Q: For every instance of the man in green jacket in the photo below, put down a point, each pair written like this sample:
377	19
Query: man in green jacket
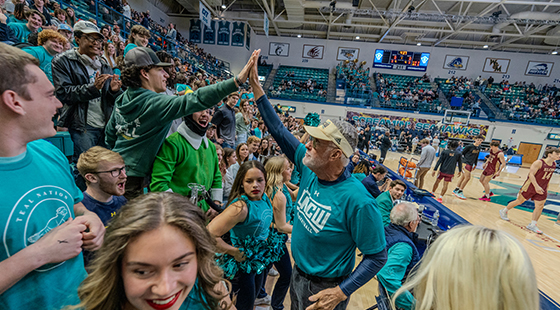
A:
142	116
186	157
386	200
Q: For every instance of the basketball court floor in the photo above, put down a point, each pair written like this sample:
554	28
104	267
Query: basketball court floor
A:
544	249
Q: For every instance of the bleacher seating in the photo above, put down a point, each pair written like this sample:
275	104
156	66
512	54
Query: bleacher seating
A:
264	71
404	92
454	88
291	83
354	79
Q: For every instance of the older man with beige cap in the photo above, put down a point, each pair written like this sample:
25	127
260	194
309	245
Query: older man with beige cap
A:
335	213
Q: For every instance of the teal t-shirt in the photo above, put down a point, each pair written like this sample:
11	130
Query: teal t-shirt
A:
359	176
443	144
195	301
257	223
45	59
332	220
385	204
295	177
258	133
289	203
128	47
394	271
20	31
38	194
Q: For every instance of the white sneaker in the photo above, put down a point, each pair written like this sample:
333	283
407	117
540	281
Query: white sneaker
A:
272	272
534	229
263	301
503	215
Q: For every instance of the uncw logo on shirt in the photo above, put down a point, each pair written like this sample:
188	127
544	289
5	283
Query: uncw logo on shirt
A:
313	215
37	212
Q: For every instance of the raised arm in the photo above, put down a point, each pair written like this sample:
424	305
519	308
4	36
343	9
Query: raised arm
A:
287	142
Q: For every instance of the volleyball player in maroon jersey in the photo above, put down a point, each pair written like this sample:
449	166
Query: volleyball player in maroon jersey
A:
492	168
535	187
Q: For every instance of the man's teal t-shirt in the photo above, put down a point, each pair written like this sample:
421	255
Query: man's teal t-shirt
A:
20	31
332	220
45	59
38	194
128	47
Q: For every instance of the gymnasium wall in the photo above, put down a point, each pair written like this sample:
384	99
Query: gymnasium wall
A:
515	72
497	130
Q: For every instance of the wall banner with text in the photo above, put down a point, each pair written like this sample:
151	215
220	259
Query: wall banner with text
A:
418	123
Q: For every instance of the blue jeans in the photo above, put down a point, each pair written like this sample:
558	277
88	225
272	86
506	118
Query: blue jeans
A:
225	144
246	286
302	288
84	140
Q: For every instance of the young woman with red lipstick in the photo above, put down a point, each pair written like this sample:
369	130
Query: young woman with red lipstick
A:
157	255
247	218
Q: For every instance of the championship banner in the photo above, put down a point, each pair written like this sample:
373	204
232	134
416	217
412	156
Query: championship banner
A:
238	34
248	41
195	31
223	32
463	132
210	33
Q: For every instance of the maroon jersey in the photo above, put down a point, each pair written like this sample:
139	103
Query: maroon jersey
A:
542	176
493	163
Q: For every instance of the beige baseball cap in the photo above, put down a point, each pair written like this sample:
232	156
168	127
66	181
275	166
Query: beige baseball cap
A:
329	132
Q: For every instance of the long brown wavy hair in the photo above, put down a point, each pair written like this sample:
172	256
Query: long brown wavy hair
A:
103	289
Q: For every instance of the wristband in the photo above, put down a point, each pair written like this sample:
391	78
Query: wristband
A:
238	81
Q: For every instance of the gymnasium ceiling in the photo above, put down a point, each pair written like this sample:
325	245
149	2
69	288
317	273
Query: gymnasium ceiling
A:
531	26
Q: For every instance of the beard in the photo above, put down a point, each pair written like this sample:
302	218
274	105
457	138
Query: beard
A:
313	163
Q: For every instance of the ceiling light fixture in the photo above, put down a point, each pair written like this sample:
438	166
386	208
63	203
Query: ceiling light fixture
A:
485	46
554	52
299	35
419	44
224	6
357	37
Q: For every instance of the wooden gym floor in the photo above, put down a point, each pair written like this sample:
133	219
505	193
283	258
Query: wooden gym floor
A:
544	249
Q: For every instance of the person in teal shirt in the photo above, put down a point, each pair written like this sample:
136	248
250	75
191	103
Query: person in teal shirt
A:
402	253
51	43
387	199
139	36
247	217
44	224
160	234
335	215
33	25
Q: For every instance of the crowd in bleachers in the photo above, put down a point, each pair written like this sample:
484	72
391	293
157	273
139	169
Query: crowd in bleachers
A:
300	83
407	93
355	78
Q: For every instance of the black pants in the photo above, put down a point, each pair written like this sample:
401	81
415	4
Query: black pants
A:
383	155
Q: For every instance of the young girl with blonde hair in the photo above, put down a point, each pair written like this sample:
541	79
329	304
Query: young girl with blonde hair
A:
473	267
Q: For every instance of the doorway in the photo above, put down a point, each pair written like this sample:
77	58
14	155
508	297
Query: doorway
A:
530	151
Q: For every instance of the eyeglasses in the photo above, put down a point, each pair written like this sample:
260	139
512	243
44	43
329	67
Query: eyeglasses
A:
94	40
115	172
316	141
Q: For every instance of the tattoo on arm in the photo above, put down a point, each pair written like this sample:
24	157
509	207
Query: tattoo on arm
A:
62	241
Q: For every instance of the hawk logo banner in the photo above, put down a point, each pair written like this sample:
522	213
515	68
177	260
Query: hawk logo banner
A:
453	62
347	53
279	49
313	51
539	68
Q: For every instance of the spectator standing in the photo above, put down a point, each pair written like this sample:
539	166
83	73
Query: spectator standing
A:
385	145
377	175
425	163
85	84
224	119
243	120
36	175
402	253
138	126
435	142
172	36
51	43
325	274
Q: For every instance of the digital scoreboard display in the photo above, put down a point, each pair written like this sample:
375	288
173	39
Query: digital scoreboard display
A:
401	60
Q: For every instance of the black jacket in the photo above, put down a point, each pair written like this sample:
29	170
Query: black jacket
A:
74	89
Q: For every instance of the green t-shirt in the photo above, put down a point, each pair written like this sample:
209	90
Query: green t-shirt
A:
332	220
39	196
45	59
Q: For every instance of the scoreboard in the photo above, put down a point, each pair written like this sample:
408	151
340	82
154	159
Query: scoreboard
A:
401	60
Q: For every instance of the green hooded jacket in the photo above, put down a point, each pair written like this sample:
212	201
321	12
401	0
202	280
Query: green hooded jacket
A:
142	118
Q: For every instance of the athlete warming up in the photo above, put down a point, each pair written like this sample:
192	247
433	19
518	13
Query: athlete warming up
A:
535	187
492	168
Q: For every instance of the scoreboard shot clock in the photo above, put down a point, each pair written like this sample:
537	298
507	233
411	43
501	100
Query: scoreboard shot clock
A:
401	60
